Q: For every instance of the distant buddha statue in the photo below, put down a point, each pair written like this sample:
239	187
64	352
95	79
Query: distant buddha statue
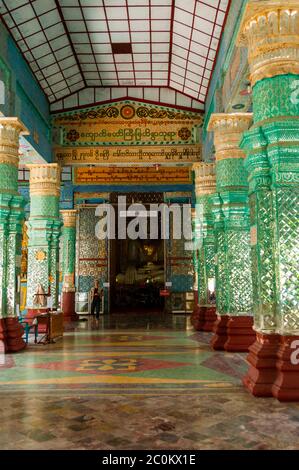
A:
130	275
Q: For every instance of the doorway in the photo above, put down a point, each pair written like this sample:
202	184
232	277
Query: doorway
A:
137	266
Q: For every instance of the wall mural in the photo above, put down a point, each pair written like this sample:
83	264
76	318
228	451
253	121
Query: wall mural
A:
236	92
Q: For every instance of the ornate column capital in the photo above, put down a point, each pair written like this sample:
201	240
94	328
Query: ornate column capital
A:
228	130
205	178
10	130
69	217
44	179
270	30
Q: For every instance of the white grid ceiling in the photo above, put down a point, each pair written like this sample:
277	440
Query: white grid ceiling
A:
74	44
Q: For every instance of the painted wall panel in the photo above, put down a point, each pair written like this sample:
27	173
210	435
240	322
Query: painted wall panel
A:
23	96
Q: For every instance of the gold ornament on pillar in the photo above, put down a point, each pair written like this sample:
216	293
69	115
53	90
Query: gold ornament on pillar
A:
228	130
69	217
270	30
10	130
205	178
45	179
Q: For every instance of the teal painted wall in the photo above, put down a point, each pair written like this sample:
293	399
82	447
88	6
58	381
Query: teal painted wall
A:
23	96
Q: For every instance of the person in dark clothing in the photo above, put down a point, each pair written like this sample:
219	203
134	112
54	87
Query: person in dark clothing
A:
96	298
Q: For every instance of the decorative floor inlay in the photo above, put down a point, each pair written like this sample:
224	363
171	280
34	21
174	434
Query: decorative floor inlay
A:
160	387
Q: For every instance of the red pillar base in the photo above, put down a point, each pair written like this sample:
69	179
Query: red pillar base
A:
3	333
32	313
210	318
14	333
286	385
68	307
240	334
197	317
220	332
262	359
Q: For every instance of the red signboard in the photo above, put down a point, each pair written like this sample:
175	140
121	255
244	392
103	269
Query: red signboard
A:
164	293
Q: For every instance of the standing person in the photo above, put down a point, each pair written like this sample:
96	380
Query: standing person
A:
97	294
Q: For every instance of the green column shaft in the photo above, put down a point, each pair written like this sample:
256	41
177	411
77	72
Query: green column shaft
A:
231	217
14	251
4	216
195	254
272	160
261	222
54	262
44	230
11	216
220	254
69	256
206	268
205	186
43	249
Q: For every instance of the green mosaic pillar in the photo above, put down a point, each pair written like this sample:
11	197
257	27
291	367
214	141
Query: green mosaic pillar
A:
270	30
44	229
195	254
220	269
205	186
11	222
68	264
233	331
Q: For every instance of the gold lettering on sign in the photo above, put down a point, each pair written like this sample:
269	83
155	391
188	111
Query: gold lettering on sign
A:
113	154
132	132
124	175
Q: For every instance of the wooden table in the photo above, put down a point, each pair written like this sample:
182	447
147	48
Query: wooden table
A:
54	325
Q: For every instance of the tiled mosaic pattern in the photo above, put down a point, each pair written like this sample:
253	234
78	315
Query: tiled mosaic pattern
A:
152	383
271	147
92	253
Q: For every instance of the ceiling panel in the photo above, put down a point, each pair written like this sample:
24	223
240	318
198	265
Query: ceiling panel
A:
73	44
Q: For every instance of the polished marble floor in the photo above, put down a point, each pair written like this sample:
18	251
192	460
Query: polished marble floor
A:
136	382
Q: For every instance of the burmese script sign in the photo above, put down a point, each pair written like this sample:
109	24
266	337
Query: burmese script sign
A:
128	123
128	175
134	132
158	154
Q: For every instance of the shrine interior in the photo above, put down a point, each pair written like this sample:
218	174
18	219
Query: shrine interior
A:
137	267
149	228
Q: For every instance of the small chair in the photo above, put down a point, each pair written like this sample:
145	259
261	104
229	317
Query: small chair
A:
28	327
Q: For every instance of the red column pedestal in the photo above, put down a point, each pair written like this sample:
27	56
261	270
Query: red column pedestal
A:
220	332
203	317
262	359
68	306
210	318
14	334
286	385
3	332
34	312
197	318
240	334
